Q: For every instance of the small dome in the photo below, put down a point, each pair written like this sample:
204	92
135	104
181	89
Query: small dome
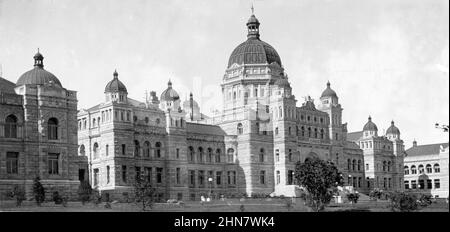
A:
115	85
169	94
38	75
328	92
393	129
370	126
282	83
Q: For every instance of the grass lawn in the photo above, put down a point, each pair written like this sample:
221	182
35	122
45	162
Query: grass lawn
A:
229	205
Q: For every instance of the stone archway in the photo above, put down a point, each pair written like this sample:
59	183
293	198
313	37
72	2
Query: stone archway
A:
311	155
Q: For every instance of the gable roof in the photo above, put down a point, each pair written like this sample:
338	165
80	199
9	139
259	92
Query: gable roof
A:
7	86
354	136
428	149
204	129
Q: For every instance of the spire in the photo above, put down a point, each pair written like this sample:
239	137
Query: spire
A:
191	105
38	60
253	10
115	74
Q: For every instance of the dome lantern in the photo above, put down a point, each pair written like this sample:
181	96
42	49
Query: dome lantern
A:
253	26
38	60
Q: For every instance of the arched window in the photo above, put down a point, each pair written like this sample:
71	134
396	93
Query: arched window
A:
354	165
52	129
406	168
337	158
11	126
278	177
289	130
303	131
359	165
276	130
200	154
261	155
106	150
191	154
384	166
429	169
315	133
218	154
230	155
349	164
240	129
309	132
296	130
421	169
210	155
158	150
95	150
147	149
322	134
137	148
413	169
82	150
389	166
437	168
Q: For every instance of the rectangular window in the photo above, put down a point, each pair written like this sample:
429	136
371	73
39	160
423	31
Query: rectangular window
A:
437	183
429	184
201	178
218	178
229	177
137	172
107	150
123	149
148	174
277	155
107	174
53	164
192	197
262	177
124	173
406	184
159	173
178	153
290	179
191	178
178	176
421	184
180	196
12	162
96	171
413	184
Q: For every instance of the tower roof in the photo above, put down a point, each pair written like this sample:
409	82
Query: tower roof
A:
169	94
115	85
328	92
370	126
393	129
38	75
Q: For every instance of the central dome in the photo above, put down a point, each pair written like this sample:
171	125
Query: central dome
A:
254	50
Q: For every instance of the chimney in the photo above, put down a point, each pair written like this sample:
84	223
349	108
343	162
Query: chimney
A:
414	143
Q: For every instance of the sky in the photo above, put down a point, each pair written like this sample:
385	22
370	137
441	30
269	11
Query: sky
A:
385	58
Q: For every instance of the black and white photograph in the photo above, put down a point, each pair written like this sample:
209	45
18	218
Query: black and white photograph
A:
214	108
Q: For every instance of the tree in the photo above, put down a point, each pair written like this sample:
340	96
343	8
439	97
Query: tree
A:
144	192
84	191
320	178
38	191
353	197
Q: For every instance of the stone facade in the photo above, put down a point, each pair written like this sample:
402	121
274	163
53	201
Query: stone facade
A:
38	135
426	169
249	147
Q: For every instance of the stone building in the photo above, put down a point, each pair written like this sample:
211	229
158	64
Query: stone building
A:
249	147
38	133
426	169
383	156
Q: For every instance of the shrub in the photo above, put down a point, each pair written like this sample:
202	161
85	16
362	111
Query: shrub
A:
403	202
18	194
84	192
96	196
425	200
38	191
353	197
